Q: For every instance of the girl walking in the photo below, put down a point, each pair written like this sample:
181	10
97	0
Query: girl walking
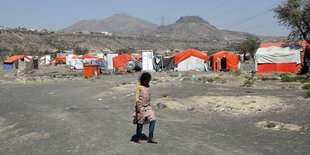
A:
144	114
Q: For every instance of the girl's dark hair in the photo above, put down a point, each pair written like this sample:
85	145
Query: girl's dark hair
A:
145	76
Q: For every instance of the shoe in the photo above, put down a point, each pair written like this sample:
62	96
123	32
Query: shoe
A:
152	141
139	141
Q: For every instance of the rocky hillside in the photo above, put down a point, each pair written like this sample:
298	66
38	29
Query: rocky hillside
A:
119	24
194	27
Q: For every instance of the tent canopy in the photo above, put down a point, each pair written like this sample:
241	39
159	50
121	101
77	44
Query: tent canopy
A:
277	59
232	60
16	57
266	45
120	61
88	56
63	58
178	57
137	56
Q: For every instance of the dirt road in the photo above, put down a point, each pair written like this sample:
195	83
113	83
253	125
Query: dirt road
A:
93	116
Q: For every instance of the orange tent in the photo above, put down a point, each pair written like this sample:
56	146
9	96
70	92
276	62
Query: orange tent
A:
120	61
136	55
15	57
265	45
76	56
178	57
88	56
63	58
100	59
232	60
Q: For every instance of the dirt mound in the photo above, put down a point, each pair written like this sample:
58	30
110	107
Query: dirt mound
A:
235	105
272	125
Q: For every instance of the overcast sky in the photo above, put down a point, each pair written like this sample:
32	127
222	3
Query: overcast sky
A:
254	16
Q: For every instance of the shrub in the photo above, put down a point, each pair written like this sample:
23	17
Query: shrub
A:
287	78
248	83
237	72
306	87
270	125
307	94
164	95
265	78
210	80
173	75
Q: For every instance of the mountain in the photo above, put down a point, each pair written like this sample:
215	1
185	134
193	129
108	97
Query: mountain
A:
194	27
119	24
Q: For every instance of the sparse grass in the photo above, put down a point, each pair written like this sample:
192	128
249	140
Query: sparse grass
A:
299	78
270	125
287	78
237	72
304	80
307	94
210	80
173	75
154	79
303	128
306	87
248	83
267	78
164	95
124	83
283	87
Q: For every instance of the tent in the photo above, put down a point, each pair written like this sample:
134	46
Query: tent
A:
303	44
110	60
190	60
76	63
120	61
61	59
147	61
12	62
277	59
88	58
163	63
225	60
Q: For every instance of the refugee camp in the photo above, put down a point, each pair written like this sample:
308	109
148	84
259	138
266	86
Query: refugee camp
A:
155	77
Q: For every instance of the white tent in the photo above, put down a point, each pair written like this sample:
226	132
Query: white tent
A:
76	64
68	58
277	58
192	63
110	60
147	61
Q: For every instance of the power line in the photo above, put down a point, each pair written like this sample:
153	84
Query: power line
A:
215	7
253	16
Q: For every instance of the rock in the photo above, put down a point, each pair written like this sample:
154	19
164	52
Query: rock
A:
161	106
276	108
191	109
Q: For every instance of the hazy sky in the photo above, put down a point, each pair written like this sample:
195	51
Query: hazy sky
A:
254	16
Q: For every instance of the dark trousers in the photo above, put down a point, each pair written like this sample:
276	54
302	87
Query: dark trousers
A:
151	130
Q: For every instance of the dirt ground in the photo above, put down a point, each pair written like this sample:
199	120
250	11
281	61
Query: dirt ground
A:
57	111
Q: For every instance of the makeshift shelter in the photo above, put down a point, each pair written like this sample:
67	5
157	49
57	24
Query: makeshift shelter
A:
68	58
12	62
110	60
190	60
163	63
76	63
147	60
119	62
225	61
61	60
277	59
88	58
302	44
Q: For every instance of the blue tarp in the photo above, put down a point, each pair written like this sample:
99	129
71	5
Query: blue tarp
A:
8	66
103	64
